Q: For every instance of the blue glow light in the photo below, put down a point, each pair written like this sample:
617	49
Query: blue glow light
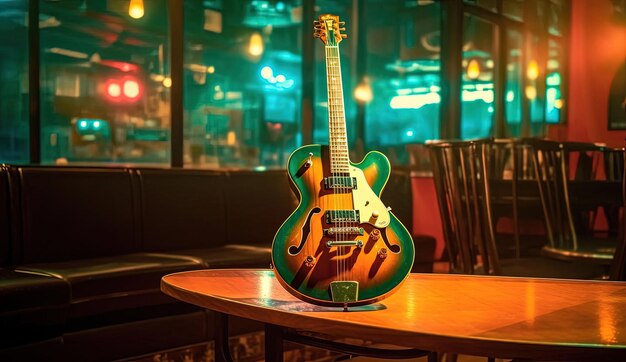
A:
82	124
267	72
414	101
96	124
410	133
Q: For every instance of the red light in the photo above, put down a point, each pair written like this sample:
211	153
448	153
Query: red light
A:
114	90
127	89
132	90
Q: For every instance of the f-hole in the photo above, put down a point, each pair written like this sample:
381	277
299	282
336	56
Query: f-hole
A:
306	229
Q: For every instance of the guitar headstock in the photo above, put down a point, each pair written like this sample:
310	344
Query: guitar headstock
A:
328	28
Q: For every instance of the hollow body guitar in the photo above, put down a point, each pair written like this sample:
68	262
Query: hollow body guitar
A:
341	246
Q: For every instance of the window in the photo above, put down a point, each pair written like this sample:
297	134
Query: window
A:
554	90
104	82
513	92
14	146
477	93
403	69
242	87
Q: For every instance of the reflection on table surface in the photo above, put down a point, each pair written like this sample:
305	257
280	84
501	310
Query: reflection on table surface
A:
502	316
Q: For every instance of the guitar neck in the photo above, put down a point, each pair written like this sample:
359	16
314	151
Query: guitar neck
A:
337	136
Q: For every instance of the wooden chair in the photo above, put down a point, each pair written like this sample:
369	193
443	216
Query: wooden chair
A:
514	195
585	163
562	194
462	180
618	266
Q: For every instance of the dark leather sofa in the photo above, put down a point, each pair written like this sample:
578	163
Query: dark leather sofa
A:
82	251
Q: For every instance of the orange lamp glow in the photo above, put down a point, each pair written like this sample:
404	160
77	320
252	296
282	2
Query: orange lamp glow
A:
473	69
255	46
533	70
558	104
135	9
531	92
363	91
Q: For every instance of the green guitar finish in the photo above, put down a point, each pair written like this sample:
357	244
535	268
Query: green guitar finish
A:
305	264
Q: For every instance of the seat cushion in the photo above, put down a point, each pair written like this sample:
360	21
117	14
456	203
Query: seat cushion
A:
108	284
32	306
173	200
74	213
231	256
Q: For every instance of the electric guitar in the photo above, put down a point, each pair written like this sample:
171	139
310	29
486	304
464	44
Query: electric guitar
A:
341	246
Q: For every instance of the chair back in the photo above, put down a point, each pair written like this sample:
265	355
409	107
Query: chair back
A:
618	266
551	175
462	185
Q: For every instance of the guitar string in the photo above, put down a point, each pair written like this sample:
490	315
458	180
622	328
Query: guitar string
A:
343	148
340	151
338	161
331	147
339	139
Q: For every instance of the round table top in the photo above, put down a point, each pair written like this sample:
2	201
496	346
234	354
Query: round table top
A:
480	315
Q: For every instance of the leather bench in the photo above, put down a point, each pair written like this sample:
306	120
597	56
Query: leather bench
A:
88	245
79	228
32	307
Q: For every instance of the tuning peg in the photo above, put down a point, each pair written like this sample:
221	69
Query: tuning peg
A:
316	35
342	23
344	36
342	29
315	22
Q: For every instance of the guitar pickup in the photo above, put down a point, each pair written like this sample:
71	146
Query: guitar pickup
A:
333	216
340	182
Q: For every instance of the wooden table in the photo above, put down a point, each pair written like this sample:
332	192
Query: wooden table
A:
506	317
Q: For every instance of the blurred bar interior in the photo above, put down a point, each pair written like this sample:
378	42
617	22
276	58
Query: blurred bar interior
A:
234	86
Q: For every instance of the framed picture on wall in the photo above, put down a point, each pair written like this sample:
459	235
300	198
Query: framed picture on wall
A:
617	100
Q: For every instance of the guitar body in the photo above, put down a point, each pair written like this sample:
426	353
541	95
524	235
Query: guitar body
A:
340	238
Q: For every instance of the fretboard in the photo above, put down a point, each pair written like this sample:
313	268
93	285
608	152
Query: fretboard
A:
338	142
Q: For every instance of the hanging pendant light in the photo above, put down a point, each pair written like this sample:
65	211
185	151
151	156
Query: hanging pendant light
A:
363	91
532	72
255	45
473	69
135	9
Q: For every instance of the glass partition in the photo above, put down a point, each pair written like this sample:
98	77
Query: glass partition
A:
513	93
535	85
554	91
14	145
403	71
104	82
477	94
242	85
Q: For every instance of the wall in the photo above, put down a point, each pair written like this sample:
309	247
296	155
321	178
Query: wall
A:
597	50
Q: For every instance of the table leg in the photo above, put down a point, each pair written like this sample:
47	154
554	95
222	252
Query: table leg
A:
222	351
273	343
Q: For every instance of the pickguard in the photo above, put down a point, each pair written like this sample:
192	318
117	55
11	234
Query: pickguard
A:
371	209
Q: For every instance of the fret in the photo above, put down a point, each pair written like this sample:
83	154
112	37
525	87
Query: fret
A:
339	156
